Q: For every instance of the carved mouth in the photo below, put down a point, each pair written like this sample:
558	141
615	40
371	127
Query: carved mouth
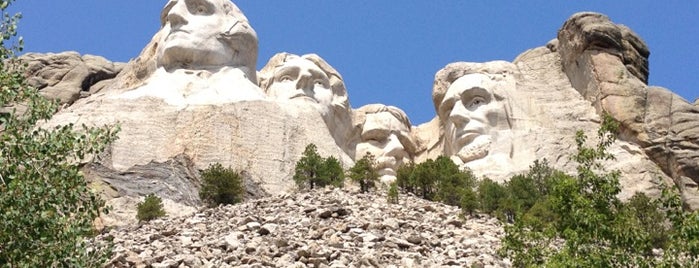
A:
303	96
387	172
174	32
466	136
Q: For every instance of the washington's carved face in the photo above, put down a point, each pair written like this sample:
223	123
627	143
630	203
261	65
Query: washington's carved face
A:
301	79
194	34
471	112
388	139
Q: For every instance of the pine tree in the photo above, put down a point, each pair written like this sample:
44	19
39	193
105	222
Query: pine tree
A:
364	173
308	167
331	172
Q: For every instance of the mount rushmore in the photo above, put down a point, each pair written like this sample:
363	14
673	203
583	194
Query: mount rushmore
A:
193	97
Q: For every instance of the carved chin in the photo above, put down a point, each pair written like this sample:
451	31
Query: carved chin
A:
477	149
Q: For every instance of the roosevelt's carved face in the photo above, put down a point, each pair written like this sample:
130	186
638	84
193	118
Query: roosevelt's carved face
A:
195	34
388	139
302	80
471	112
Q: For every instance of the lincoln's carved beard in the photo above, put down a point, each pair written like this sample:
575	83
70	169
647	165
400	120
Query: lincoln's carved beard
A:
477	149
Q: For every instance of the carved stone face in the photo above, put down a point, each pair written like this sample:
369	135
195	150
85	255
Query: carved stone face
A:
472	113
388	140
193	35
300	79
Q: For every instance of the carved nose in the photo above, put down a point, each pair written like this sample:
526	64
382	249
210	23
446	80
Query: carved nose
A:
305	81
459	115
394	148
176	15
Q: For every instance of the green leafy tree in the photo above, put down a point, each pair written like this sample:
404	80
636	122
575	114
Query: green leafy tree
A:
584	217
151	208
46	208
221	186
364	173
682	246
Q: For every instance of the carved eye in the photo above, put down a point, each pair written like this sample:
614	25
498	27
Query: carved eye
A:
201	9
319	83
476	102
285	78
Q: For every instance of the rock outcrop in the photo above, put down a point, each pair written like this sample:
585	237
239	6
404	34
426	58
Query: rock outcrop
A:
322	228
607	63
68	76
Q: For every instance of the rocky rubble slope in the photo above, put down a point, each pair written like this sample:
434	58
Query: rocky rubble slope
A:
323	228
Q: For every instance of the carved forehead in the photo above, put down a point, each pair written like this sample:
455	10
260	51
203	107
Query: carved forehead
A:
361	113
226	6
497	72
300	63
385	120
471	81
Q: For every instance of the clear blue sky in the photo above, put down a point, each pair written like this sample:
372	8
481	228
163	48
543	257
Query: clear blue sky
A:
387	51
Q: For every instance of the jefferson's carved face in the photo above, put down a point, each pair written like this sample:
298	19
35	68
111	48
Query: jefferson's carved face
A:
388	140
472	112
193	38
301	79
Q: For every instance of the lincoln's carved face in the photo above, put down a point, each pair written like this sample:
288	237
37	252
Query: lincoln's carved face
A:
205	33
301	79
388	139
472	112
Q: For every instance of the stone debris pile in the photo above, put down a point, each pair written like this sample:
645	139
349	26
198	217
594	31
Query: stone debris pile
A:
321	228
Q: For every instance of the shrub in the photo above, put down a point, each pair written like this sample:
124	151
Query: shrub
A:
151	208
491	195
392	196
221	186
650	218
404	177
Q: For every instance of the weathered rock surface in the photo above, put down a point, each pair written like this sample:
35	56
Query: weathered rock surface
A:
607	63
545	111
177	181
68	76
323	228
263	138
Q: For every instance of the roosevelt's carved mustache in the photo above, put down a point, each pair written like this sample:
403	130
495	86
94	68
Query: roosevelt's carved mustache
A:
390	162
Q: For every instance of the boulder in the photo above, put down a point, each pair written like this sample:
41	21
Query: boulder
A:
68	76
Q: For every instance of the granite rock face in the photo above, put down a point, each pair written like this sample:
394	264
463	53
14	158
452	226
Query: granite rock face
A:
322	228
68	76
186	111
607	63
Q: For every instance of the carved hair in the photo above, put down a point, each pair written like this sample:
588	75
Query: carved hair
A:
359	115
266	76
